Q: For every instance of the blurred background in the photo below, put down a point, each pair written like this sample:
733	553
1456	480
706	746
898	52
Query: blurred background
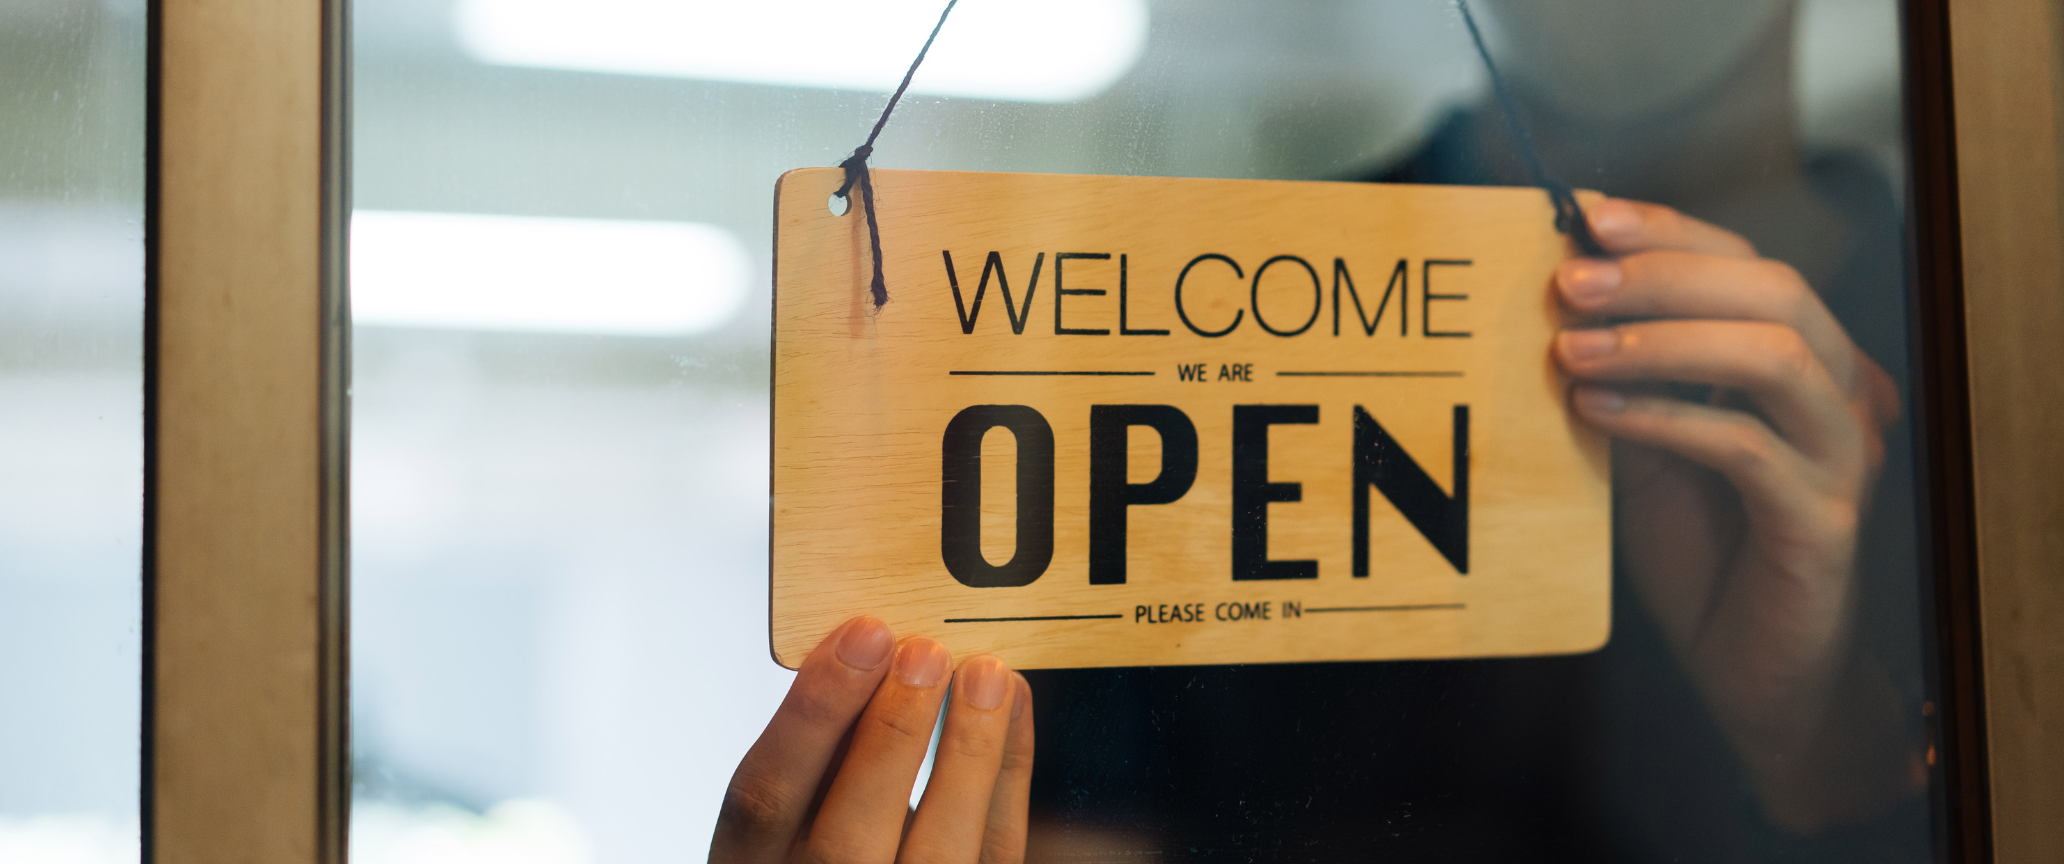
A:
561	244
71	428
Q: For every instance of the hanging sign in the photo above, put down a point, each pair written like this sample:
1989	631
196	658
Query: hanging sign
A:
1133	421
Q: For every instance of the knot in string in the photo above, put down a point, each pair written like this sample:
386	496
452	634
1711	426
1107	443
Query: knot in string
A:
856	166
856	169
856	172
1569	215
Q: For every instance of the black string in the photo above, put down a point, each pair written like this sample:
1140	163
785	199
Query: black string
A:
1569	215
856	164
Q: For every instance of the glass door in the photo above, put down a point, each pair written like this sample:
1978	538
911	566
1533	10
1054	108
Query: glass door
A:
561	258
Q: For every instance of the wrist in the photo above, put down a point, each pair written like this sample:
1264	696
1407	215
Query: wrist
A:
1857	756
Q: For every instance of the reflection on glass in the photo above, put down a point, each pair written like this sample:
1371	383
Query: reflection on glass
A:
525	273
559	620
71	427
1058	51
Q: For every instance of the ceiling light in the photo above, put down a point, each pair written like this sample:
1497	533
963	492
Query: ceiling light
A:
1050	51
479	272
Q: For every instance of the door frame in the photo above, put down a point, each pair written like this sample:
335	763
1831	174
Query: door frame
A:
1983	90
246	703
246	362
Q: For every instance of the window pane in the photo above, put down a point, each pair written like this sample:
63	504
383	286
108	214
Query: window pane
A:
562	258
71	428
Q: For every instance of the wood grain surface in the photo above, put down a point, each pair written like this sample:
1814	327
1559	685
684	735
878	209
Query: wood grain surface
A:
245	759
867	401
2004	56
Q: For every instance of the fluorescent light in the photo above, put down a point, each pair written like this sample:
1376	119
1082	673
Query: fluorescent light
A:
478	272
1049	51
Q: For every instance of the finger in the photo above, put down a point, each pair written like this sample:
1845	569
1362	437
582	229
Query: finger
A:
954	812
1672	284
1003	841
1769	361
1625	227
776	782
1770	475
861	820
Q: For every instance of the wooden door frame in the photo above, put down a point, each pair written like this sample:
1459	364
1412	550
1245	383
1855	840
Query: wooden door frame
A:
1991	247
245	744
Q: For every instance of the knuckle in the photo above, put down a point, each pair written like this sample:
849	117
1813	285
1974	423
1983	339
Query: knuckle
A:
998	848
1826	536
920	850
1018	755
755	805
1742	246
903	723
1781	274
1870	447
1840	519
1748	446
1788	290
973	744
819	707
842	849
1787	355
1660	268
1660	219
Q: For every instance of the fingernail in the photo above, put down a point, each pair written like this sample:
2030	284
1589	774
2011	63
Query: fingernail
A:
1598	400
1588	344
983	682
1024	697
1589	282
921	663
1615	219
865	644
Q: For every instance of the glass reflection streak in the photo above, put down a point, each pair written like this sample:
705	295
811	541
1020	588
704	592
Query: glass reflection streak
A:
1056	51
476	272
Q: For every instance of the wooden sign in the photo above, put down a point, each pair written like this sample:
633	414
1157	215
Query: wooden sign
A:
1131	421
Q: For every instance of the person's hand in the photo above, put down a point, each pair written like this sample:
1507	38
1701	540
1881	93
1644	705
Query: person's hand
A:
829	780
1737	515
